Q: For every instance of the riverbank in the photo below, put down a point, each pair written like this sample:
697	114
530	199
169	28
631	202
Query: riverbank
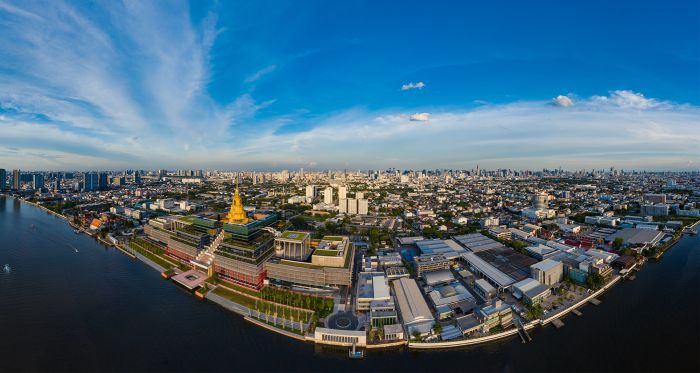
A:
244	312
511	332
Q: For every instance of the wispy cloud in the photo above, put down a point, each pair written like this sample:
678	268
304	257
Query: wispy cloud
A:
110	74
411	85
260	73
419	117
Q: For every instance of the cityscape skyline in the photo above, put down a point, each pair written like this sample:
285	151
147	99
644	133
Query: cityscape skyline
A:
213	86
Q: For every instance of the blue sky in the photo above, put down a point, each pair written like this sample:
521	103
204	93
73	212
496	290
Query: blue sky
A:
359	84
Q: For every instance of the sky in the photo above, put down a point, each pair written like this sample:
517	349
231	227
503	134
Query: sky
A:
269	85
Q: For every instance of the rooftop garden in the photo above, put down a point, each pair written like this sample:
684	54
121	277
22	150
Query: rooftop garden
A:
333	238
326	252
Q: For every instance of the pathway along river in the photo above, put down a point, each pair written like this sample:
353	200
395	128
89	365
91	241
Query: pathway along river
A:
70	304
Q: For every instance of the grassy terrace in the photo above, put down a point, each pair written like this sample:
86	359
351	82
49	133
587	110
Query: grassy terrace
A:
188	219
333	238
151	251
293	235
299	264
183	240
253	301
326	252
190	229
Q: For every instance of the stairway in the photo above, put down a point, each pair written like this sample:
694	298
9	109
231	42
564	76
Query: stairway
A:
206	256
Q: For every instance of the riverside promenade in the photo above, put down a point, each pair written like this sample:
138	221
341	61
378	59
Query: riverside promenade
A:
511	332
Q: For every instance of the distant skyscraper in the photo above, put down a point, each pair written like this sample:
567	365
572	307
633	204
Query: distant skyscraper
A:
15	179
90	181
37	181
3	179
102	182
342	192
310	193
328	196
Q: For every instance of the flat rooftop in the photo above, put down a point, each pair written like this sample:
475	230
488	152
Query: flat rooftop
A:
294	236
191	279
508	261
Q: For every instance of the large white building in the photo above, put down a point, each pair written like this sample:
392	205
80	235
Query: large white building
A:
310	193
415	313
328	196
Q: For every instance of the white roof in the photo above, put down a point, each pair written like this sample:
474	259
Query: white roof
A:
411	303
502	279
546	265
379	287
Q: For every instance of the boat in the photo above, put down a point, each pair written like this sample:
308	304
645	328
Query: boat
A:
6	268
354	354
76	231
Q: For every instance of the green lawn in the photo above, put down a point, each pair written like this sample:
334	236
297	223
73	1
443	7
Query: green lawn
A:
262	306
154	253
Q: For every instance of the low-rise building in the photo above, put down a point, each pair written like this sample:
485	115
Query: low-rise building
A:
371	286
415	313
549	272
530	291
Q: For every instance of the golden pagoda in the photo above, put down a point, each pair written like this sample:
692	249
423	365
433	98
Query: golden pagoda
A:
236	214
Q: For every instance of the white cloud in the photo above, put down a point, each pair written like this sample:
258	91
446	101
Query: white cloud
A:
629	100
260	73
419	117
409	86
563	101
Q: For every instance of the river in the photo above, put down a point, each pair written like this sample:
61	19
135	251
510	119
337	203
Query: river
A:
71	304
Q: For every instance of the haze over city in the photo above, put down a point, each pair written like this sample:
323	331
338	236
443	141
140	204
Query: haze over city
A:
349	85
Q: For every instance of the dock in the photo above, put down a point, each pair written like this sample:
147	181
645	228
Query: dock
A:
557	323
577	312
594	301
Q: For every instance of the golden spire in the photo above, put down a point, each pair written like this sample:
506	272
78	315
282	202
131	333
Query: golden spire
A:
236	214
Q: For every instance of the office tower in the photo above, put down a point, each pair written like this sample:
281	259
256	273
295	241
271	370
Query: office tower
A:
3	179
362	206
102	182
342	192
328	196
37	181
137	177
89	181
15	179
343	205
310	193
352	206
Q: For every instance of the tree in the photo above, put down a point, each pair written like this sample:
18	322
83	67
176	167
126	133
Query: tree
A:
534	311
595	281
416	335
617	243
437	328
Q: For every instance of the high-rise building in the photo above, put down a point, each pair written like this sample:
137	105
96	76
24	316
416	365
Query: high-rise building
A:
342	192
3	179
89	181
310	193
352	206
343	205
328	196
102	182
37	181
362	206
16	184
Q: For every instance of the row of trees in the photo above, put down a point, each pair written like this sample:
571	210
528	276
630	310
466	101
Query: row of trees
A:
322	306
